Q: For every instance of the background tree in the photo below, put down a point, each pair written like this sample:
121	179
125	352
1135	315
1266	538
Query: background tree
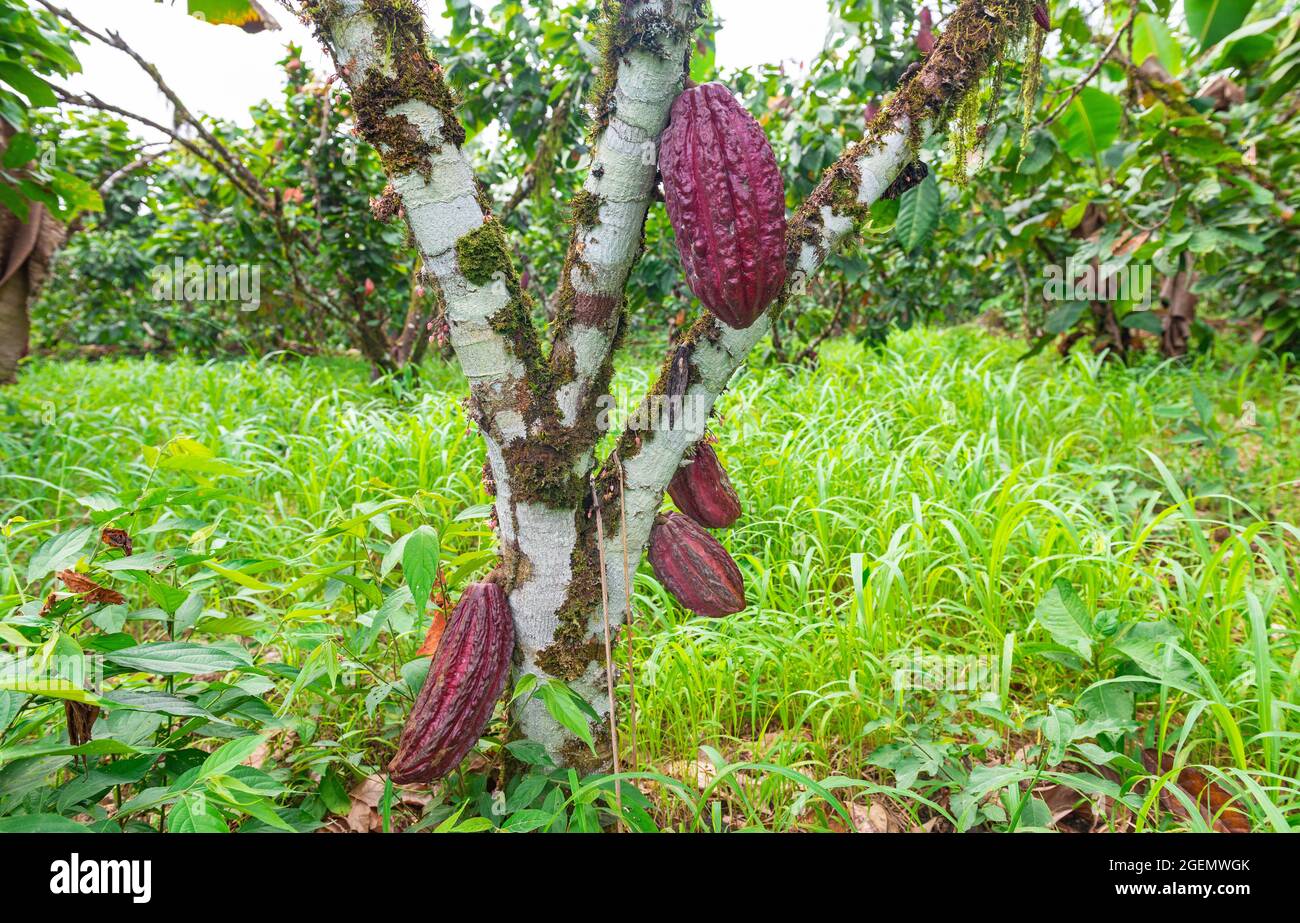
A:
35	194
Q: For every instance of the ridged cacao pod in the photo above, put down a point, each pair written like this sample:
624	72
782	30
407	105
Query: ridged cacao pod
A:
693	567
1040	16
702	490
469	671
726	201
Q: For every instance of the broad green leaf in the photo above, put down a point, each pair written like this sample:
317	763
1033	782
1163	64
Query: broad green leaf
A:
40	823
146	561
228	756
1211	20
420	565
918	214
195	813
53	687
1252	42
1152	38
36	90
1143	320
154	701
559	700
238	577
90	748
1090	123
1153	646
59	552
1065	617
21	150
170	657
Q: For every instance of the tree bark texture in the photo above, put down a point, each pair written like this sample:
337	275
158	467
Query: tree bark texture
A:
538	410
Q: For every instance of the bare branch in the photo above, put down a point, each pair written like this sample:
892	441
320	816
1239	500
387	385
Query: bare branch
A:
91	101
1094	70
114	40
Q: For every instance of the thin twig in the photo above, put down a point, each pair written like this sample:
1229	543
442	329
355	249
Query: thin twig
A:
627	587
114	40
91	101
609	653
1094	70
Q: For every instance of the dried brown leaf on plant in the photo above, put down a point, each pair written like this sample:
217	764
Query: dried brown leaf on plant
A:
119	539
433	636
89	590
81	721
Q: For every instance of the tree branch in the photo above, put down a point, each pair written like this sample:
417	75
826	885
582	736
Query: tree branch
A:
91	101
114	40
644	49
979	33
1094	70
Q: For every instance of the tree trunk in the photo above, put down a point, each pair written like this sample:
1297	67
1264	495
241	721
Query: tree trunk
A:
14	328
538	412
26	250
1181	310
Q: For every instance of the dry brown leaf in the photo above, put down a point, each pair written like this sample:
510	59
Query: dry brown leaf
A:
81	721
365	816
88	589
873	818
433	636
1212	799
119	539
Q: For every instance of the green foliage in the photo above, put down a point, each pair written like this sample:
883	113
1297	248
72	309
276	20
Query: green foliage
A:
33	47
258	670
315	249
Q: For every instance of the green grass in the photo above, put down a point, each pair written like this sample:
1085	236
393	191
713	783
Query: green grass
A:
923	501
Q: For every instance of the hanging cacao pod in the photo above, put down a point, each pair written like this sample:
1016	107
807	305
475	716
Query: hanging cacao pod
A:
694	568
726	201
469	671
925	34
1040	16
702	490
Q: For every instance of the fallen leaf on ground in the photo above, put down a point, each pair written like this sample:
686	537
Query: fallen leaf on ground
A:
1211	798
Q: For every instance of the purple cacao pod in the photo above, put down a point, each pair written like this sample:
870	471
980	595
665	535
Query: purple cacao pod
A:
694	568
1040	16
726	201
702	490
469	671
925	34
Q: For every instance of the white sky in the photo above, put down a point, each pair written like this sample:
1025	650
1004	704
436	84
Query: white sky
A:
221	71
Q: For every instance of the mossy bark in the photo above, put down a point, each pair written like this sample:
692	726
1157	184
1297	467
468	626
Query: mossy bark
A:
536	408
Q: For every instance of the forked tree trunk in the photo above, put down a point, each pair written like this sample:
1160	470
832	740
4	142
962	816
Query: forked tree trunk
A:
538	412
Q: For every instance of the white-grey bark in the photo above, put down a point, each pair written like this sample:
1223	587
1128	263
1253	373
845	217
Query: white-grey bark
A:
543	538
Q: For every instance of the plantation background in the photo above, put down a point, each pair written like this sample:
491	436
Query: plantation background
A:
1086	508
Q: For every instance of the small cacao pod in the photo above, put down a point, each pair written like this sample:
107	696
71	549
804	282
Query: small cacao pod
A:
469	671
925	34
726	201
694	568
702	490
1040	16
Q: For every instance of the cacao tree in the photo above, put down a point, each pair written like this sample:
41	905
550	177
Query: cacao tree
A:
563	512
35	196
